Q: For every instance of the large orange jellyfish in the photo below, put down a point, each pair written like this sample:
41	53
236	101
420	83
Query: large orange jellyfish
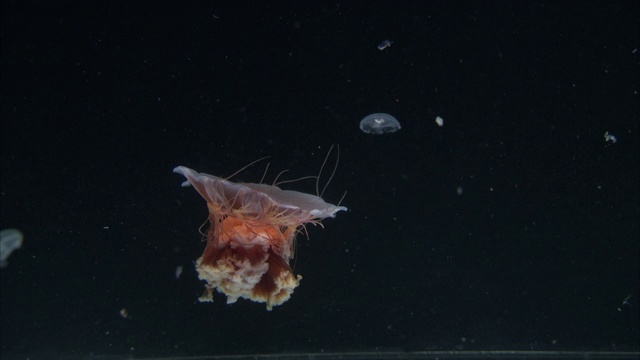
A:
250	243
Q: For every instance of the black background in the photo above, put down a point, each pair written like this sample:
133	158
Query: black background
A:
101	100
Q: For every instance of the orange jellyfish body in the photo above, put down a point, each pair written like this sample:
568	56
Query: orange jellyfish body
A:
253	229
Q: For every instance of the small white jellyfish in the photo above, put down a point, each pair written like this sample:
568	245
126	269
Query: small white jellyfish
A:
10	240
439	121
384	44
379	123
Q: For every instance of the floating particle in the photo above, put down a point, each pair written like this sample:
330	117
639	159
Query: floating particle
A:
384	44
608	137
439	121
379	123
179	269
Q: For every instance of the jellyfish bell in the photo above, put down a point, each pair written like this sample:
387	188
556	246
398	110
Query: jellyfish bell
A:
379	123
253	230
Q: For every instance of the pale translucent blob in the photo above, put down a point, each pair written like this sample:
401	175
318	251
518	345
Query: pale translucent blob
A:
384	44
10	240
608	137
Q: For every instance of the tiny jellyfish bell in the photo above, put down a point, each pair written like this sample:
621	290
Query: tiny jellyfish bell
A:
379	123
251	238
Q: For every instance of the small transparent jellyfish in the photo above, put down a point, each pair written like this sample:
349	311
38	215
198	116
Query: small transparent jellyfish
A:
10	240
379	123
